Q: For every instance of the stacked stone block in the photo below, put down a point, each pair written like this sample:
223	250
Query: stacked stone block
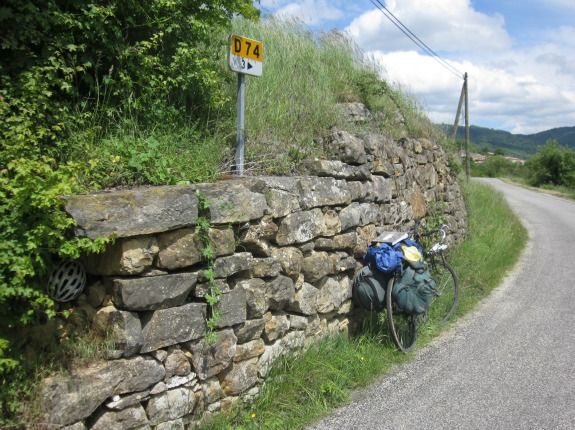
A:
286	250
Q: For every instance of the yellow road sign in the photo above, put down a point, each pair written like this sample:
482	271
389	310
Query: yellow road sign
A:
247	48
246	55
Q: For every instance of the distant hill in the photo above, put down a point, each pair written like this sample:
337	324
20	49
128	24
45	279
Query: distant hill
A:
522	145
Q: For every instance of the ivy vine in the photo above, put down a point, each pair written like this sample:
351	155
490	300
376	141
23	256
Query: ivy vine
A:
214	292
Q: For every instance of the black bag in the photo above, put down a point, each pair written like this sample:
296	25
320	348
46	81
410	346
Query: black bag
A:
369	289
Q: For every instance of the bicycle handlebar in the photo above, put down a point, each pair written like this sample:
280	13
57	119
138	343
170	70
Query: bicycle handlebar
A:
441	230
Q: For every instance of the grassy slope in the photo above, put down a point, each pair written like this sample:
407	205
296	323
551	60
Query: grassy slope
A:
288	109
300	391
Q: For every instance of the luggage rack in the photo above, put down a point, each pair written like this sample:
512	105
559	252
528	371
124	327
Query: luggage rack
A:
390	237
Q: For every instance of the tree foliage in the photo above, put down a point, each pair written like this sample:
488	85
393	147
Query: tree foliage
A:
77	64
553	164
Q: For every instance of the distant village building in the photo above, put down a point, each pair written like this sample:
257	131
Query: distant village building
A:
480	158
515	160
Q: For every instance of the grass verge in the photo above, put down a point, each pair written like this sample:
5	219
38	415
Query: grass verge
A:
555	190
300	391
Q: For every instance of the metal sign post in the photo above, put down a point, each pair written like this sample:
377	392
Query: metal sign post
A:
245	57
241	97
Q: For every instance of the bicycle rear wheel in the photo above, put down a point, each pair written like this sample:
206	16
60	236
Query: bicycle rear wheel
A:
443	306
402	327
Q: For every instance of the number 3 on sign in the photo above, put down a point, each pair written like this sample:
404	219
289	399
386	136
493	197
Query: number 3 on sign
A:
246	55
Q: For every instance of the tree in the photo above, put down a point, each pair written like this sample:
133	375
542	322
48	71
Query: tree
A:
553	164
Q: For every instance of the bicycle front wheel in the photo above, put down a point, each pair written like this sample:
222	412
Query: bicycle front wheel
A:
402	327
444	305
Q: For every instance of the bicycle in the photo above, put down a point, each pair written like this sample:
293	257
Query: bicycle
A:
402	326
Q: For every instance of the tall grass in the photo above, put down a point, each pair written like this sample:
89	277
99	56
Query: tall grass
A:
288	111
293	103
300	390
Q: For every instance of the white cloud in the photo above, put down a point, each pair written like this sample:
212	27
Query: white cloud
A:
311	12
512	99
448	26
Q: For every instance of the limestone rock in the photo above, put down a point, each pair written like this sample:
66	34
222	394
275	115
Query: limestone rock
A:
96	294
248	350
183	247
290	260
279	292
298	322
316	192
344	263
350	216
375	144
76	426
174	382
232	202
154	292
355	112
130	256
232	308
256	238
250	330
177	364
305	301
265	267
129	418
122	402
316	266
239	377
171	405
365	235
68	399
282	203
300	227
212	390
208	359
332	223
255	296
228	266
382	189
337	169
332	293
275	326
123	328
133	212
171	425
167	327
345	147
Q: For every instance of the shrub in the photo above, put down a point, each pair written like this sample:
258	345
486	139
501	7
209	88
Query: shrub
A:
553	164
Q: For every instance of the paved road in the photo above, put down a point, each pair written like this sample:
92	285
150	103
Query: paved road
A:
509	365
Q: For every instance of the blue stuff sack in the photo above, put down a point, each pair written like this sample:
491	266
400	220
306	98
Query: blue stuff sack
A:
384	258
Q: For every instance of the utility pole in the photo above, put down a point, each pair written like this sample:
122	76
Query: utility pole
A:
466	126
456	123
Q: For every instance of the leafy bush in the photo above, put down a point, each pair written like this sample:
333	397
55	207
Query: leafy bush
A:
553	164
34	236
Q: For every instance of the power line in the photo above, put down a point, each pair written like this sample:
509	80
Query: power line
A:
411	36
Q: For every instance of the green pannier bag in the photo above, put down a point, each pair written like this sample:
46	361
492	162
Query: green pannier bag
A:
369	289
414	291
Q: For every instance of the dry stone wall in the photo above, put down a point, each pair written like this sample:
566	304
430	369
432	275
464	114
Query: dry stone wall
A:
286	250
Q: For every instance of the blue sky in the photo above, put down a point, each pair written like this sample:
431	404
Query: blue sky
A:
519	54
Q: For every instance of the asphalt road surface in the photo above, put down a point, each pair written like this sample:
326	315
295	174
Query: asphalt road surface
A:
508	365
